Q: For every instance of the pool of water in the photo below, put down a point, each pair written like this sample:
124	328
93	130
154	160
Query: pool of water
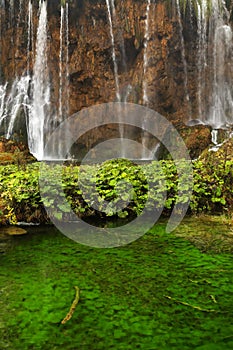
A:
160	292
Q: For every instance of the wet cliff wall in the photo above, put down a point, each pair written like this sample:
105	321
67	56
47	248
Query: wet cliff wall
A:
90	65
147	54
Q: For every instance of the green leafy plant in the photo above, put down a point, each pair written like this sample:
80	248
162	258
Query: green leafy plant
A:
112	185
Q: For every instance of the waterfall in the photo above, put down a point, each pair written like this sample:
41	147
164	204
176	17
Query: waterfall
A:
63	103
17	100
2	102
39	112
28	95
112	15
67	85
214	62
214	136
145	99
221	108
30	43
145	54
13	103
63	107
183	54
14	97
111	9
202	13
61	63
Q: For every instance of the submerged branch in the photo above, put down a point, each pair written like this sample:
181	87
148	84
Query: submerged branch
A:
192	306
73	306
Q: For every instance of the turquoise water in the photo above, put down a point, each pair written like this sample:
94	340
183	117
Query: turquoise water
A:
159	292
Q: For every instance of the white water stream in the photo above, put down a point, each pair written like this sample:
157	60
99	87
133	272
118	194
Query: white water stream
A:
214	61
111	11
39	111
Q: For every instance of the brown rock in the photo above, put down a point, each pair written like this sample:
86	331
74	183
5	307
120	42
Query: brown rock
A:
2	147
12	231
196	138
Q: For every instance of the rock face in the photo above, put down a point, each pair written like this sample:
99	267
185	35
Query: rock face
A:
196	138
148	49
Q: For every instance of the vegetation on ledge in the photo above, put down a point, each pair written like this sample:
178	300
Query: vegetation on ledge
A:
116	188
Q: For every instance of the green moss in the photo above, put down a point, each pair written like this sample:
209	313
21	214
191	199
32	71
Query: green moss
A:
145	295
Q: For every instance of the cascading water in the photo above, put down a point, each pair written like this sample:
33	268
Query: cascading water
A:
2	102
61	63
29	95
67	60
14	97
13	103
221	109
145	99
63	108
214	137
17	101
183	55
119	96
30	41
111	10
63	103
145	54
39	111
202	13
214	62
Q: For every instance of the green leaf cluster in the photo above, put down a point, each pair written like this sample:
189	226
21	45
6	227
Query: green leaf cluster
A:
212	191
19	192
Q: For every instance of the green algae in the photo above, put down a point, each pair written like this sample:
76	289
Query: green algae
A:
124	294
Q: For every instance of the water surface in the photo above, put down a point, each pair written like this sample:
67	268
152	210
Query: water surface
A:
159	292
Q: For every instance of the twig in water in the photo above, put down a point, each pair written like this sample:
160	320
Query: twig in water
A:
193	306
73	306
